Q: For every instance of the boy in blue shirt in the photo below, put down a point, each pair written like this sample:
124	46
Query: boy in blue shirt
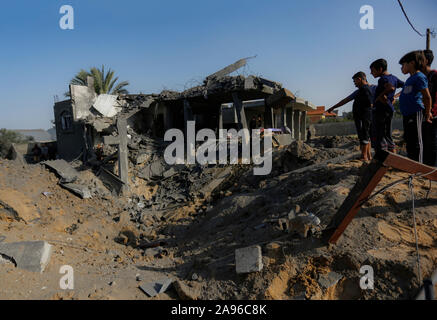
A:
383	104
414	103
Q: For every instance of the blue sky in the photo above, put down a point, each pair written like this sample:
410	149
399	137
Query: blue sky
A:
312	47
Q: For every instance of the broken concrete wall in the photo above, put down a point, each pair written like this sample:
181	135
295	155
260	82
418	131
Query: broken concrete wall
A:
346	128
69	135
82	98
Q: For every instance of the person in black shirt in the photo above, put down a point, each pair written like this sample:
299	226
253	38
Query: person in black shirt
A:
362	112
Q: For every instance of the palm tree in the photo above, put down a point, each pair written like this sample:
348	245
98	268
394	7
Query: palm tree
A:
103	82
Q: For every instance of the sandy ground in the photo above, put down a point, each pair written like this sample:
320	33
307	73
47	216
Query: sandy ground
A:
200	243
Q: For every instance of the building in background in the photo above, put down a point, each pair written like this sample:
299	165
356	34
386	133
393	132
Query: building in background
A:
319	114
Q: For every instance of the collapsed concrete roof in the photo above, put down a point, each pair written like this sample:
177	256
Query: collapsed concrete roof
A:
216	89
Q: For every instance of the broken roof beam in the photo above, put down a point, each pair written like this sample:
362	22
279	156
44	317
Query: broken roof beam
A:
229	69
261	84
281	98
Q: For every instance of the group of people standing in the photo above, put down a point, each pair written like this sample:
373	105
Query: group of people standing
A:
373	107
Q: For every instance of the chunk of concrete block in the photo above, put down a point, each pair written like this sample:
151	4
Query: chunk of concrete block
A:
154	288
77	189
330	279
283	139
248	259
106	104
29	255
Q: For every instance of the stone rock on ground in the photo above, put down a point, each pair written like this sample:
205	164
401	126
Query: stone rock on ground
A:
157	287
248	259
29	255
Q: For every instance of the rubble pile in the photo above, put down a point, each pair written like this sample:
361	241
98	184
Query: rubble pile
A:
256	238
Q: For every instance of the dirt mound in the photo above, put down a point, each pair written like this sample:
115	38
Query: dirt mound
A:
116	243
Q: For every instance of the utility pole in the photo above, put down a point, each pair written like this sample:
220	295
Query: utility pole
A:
428	39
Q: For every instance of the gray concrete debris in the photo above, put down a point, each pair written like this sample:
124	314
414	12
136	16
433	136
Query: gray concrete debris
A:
229	69
29	255
153	171
153	252
154	288
141	158
106	105
303	223
80	190
170	172
283	139
110	180
63	169
101	124
328	280
248	259
217	181
82	98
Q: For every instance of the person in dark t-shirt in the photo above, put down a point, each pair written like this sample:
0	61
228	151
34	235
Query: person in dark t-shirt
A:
429	130
383	104
362	112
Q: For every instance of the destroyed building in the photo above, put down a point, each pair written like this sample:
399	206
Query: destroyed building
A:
87	120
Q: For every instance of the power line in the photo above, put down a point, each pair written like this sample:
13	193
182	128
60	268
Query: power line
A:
405	14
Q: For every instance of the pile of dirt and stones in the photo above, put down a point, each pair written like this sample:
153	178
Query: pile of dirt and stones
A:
181	225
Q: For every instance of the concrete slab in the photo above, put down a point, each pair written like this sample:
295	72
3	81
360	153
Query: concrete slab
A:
82	98
280	98
110	180
29	255
80	190
63	169
248	259
106	105
283	139
154	288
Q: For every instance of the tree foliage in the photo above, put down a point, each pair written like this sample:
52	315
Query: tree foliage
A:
104	82
7	138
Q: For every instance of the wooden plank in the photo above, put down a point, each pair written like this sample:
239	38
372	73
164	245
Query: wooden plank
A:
368	182
404	164
361	191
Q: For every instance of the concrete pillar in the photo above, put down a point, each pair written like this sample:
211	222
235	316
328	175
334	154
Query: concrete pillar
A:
188	114
268	117
303	126
220	124
282	117
168	118
289	119
296	125
241	115
123	164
